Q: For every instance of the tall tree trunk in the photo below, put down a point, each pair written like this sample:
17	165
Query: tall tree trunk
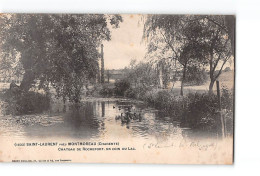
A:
211	73
211	86
183	78
161	76
28	80
77	97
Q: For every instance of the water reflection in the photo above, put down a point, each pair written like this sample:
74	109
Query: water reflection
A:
98	119
103	109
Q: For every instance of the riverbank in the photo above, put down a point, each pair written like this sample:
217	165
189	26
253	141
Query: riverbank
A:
197	109
156	135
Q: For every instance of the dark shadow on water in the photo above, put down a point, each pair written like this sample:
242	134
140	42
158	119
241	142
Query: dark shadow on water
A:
78	122
93	119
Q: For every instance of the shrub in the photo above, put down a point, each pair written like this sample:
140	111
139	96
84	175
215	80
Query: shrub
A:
106	91
195	76
168	103
19	103
130	93
226	98
121	86
227	102
196	110
149	98
163	99
201	112
140	91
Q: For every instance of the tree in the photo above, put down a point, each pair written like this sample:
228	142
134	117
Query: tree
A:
163	69
227	25
179	34
141	74
193	41
163	34
219	46
196	76
218	43
61	50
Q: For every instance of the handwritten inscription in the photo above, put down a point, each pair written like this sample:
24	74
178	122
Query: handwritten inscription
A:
183	144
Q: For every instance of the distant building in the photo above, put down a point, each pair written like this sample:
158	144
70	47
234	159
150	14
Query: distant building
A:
114	75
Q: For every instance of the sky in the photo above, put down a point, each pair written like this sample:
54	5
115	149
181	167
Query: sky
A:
125	44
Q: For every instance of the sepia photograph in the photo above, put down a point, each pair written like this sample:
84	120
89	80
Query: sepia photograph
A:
143	88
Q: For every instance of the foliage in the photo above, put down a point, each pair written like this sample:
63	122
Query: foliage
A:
219	47
57	49
121	86
196	76
19	103
141	74
202	111
227	99
141	77
141	91
106	91
196	110
165	101
131	93
180	39
193	41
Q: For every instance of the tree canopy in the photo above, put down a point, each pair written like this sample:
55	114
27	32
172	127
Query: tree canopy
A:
61	50
191	40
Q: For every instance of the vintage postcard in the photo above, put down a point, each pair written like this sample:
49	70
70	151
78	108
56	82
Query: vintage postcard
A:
117	88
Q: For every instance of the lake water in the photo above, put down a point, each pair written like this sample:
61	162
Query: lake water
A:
96	119
155	135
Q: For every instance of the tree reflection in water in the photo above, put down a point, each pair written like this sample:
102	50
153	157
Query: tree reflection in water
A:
95	119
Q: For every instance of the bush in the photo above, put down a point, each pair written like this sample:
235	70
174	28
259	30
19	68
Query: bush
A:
227	102
121	86
163	100
201	112
149	98
226	98
130	93
106	91
195	76
168	103
19	103
140	91
196	110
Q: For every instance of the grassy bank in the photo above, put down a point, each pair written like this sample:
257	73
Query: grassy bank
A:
17	102
196	109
